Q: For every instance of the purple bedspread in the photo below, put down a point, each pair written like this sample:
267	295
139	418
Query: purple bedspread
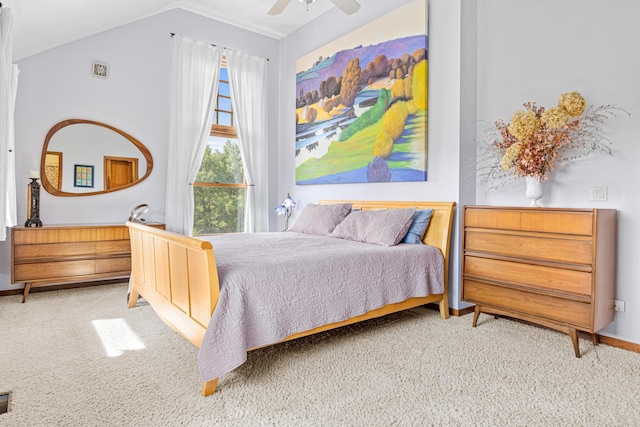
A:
273	285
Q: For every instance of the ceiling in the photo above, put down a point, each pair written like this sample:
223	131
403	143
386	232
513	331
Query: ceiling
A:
42	24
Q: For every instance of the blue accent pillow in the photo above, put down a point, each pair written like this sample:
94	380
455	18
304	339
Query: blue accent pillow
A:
418	227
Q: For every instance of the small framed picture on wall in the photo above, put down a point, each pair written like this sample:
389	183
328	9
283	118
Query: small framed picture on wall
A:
83	176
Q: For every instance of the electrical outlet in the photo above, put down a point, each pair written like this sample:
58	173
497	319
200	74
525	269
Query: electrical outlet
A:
598	194
618	305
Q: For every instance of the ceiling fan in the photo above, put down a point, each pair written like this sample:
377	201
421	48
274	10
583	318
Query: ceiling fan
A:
347	6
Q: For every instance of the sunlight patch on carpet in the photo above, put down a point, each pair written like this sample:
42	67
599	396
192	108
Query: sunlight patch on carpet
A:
116	336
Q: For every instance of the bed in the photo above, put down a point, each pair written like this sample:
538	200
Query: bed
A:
193	285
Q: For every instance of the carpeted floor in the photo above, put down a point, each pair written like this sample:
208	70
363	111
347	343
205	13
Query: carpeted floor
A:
407	369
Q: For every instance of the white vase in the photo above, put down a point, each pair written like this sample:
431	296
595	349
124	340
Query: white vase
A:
534	189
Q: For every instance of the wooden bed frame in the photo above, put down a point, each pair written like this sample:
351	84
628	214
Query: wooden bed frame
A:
177	275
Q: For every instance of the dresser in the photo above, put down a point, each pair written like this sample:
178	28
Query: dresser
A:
549	266
69	253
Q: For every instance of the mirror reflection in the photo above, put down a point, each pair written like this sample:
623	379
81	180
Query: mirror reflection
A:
84	157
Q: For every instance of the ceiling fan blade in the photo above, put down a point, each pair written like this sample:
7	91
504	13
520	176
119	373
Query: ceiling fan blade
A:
347	6
279	7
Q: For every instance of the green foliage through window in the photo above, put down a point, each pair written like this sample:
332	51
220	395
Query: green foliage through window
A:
219	190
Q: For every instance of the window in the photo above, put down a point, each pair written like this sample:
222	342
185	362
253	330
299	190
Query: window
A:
220	188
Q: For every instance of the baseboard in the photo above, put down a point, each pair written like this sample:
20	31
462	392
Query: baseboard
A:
463	312
59	287
452	311
615	342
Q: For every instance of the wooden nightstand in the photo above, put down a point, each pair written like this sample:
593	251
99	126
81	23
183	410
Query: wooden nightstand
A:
549	266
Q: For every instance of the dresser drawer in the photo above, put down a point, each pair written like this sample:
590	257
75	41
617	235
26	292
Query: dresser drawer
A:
113	246
578	223
53	250
545	221
112	233
544	306
536	277
530	247
29	236
110	265
492	219
52	270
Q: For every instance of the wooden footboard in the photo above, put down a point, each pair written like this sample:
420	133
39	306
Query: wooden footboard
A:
177	275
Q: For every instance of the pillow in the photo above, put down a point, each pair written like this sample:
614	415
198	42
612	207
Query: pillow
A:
418	226
320	219
380	227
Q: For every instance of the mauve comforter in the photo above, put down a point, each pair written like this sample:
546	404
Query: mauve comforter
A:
273	285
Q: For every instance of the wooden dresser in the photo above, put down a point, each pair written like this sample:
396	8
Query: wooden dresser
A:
553	267
69	253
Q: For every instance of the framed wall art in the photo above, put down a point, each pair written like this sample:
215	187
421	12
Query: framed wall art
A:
83	176
361	103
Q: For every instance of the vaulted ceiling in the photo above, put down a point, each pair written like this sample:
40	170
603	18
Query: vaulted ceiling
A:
42	24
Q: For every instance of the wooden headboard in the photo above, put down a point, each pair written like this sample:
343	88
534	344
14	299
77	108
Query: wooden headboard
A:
439	231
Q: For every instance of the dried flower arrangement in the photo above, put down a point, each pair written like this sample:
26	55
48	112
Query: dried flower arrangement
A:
538	139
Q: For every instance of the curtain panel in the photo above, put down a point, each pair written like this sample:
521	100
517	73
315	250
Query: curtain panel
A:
8	85
248	85
194	86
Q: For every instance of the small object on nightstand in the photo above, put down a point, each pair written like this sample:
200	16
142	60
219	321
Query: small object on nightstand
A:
33	201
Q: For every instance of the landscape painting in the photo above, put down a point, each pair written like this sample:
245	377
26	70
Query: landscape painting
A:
361	103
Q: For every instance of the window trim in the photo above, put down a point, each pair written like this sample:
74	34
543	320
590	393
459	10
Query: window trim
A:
223	131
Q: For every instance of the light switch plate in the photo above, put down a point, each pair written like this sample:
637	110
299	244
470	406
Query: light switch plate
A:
598	194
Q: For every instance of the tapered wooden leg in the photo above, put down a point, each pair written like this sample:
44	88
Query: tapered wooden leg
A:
133	298
573	333
594	339
209	387
444	306
27	288
476	314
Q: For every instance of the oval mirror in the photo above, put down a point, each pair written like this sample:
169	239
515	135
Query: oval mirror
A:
85	158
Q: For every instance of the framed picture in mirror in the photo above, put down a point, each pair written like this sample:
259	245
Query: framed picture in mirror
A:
83	176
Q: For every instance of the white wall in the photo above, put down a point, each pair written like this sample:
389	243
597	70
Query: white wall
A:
444	112
57	85
534	51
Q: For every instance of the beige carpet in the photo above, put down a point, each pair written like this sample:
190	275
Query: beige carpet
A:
408	369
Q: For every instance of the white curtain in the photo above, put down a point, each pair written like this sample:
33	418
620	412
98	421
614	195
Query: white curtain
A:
248	84
196	68
8	85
